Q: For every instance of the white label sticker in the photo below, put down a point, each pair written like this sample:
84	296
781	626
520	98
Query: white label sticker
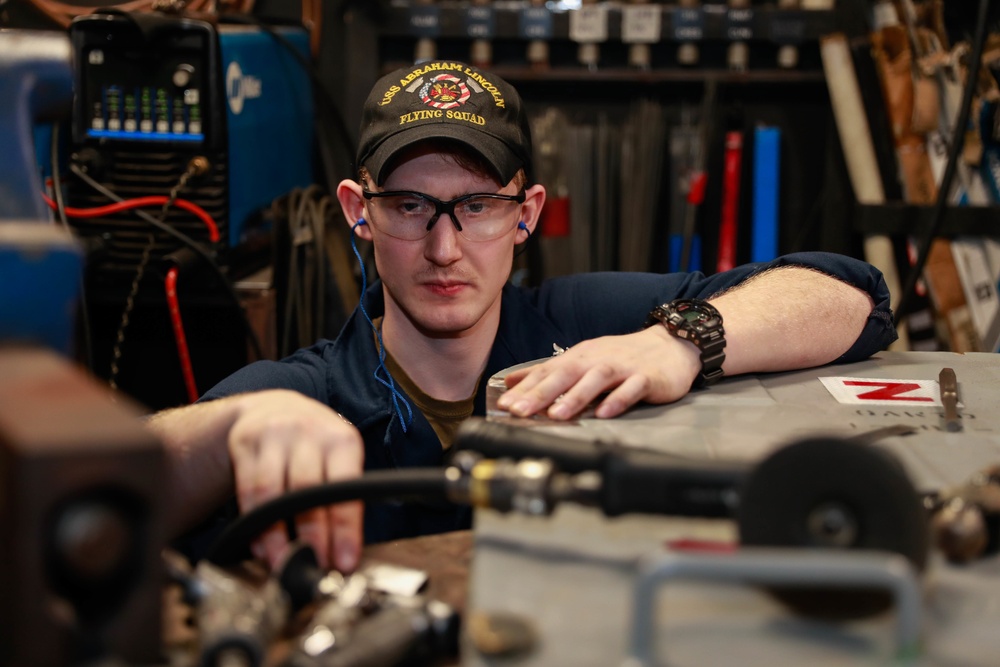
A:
589	24
878	391
641	24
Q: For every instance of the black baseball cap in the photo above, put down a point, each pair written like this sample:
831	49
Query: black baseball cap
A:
445	99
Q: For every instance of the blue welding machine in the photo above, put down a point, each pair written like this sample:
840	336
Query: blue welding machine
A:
155	96
154	91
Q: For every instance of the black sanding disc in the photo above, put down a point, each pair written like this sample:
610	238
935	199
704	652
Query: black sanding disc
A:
830	493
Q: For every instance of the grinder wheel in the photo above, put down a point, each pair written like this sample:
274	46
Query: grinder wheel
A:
830	493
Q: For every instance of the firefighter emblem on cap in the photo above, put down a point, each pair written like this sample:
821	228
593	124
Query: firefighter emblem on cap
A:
444	91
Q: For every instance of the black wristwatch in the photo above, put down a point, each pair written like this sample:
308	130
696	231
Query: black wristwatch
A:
699	322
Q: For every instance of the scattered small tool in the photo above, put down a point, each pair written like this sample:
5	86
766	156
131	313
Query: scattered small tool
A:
949	398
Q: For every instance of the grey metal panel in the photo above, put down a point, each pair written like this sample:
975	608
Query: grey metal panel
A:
571	575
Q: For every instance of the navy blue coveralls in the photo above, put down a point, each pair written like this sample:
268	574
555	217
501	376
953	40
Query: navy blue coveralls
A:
563	311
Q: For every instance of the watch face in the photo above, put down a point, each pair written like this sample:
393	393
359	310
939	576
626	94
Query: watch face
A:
694	314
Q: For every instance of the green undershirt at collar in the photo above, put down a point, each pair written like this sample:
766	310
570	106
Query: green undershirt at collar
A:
444	416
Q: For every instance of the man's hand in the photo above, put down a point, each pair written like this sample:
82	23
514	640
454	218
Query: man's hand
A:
786	318
650	366
283	441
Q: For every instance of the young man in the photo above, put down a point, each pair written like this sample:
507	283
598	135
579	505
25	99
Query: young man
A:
445	195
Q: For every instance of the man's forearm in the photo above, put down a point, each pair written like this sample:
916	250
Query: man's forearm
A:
788	318
200	476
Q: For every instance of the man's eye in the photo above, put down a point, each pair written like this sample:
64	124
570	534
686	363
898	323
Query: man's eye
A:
476	206
413	206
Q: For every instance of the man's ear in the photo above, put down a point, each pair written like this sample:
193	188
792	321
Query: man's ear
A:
531	209
352	203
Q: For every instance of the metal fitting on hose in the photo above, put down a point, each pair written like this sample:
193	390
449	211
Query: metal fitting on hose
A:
502	484
198	165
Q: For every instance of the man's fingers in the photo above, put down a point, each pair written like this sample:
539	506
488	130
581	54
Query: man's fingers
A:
272	545
538	390
634	389
286	443
313	528
565	392
259	473
519	383
648	365
305	469
268	477
593	383
244	462
347	530
515	377
345	462
264	468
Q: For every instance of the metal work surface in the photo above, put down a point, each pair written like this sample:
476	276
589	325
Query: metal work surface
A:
743	418
570	577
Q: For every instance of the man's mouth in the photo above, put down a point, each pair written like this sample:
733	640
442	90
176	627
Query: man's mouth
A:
445	287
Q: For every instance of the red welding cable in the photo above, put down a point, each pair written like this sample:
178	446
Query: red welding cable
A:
182	347
138	202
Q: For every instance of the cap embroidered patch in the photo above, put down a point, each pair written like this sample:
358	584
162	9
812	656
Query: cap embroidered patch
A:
445	100
444	91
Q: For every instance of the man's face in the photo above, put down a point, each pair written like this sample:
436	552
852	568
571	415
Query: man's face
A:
442	284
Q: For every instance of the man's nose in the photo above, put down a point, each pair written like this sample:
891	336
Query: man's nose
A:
451	216
442	243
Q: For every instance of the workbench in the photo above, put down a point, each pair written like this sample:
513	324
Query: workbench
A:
571	582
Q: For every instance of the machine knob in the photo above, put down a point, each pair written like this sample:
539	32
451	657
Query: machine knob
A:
92	540
183	75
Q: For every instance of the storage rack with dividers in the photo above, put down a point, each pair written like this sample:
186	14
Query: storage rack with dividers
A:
814	206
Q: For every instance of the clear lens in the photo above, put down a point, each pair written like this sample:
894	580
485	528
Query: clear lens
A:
406	208
407	215
484	208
